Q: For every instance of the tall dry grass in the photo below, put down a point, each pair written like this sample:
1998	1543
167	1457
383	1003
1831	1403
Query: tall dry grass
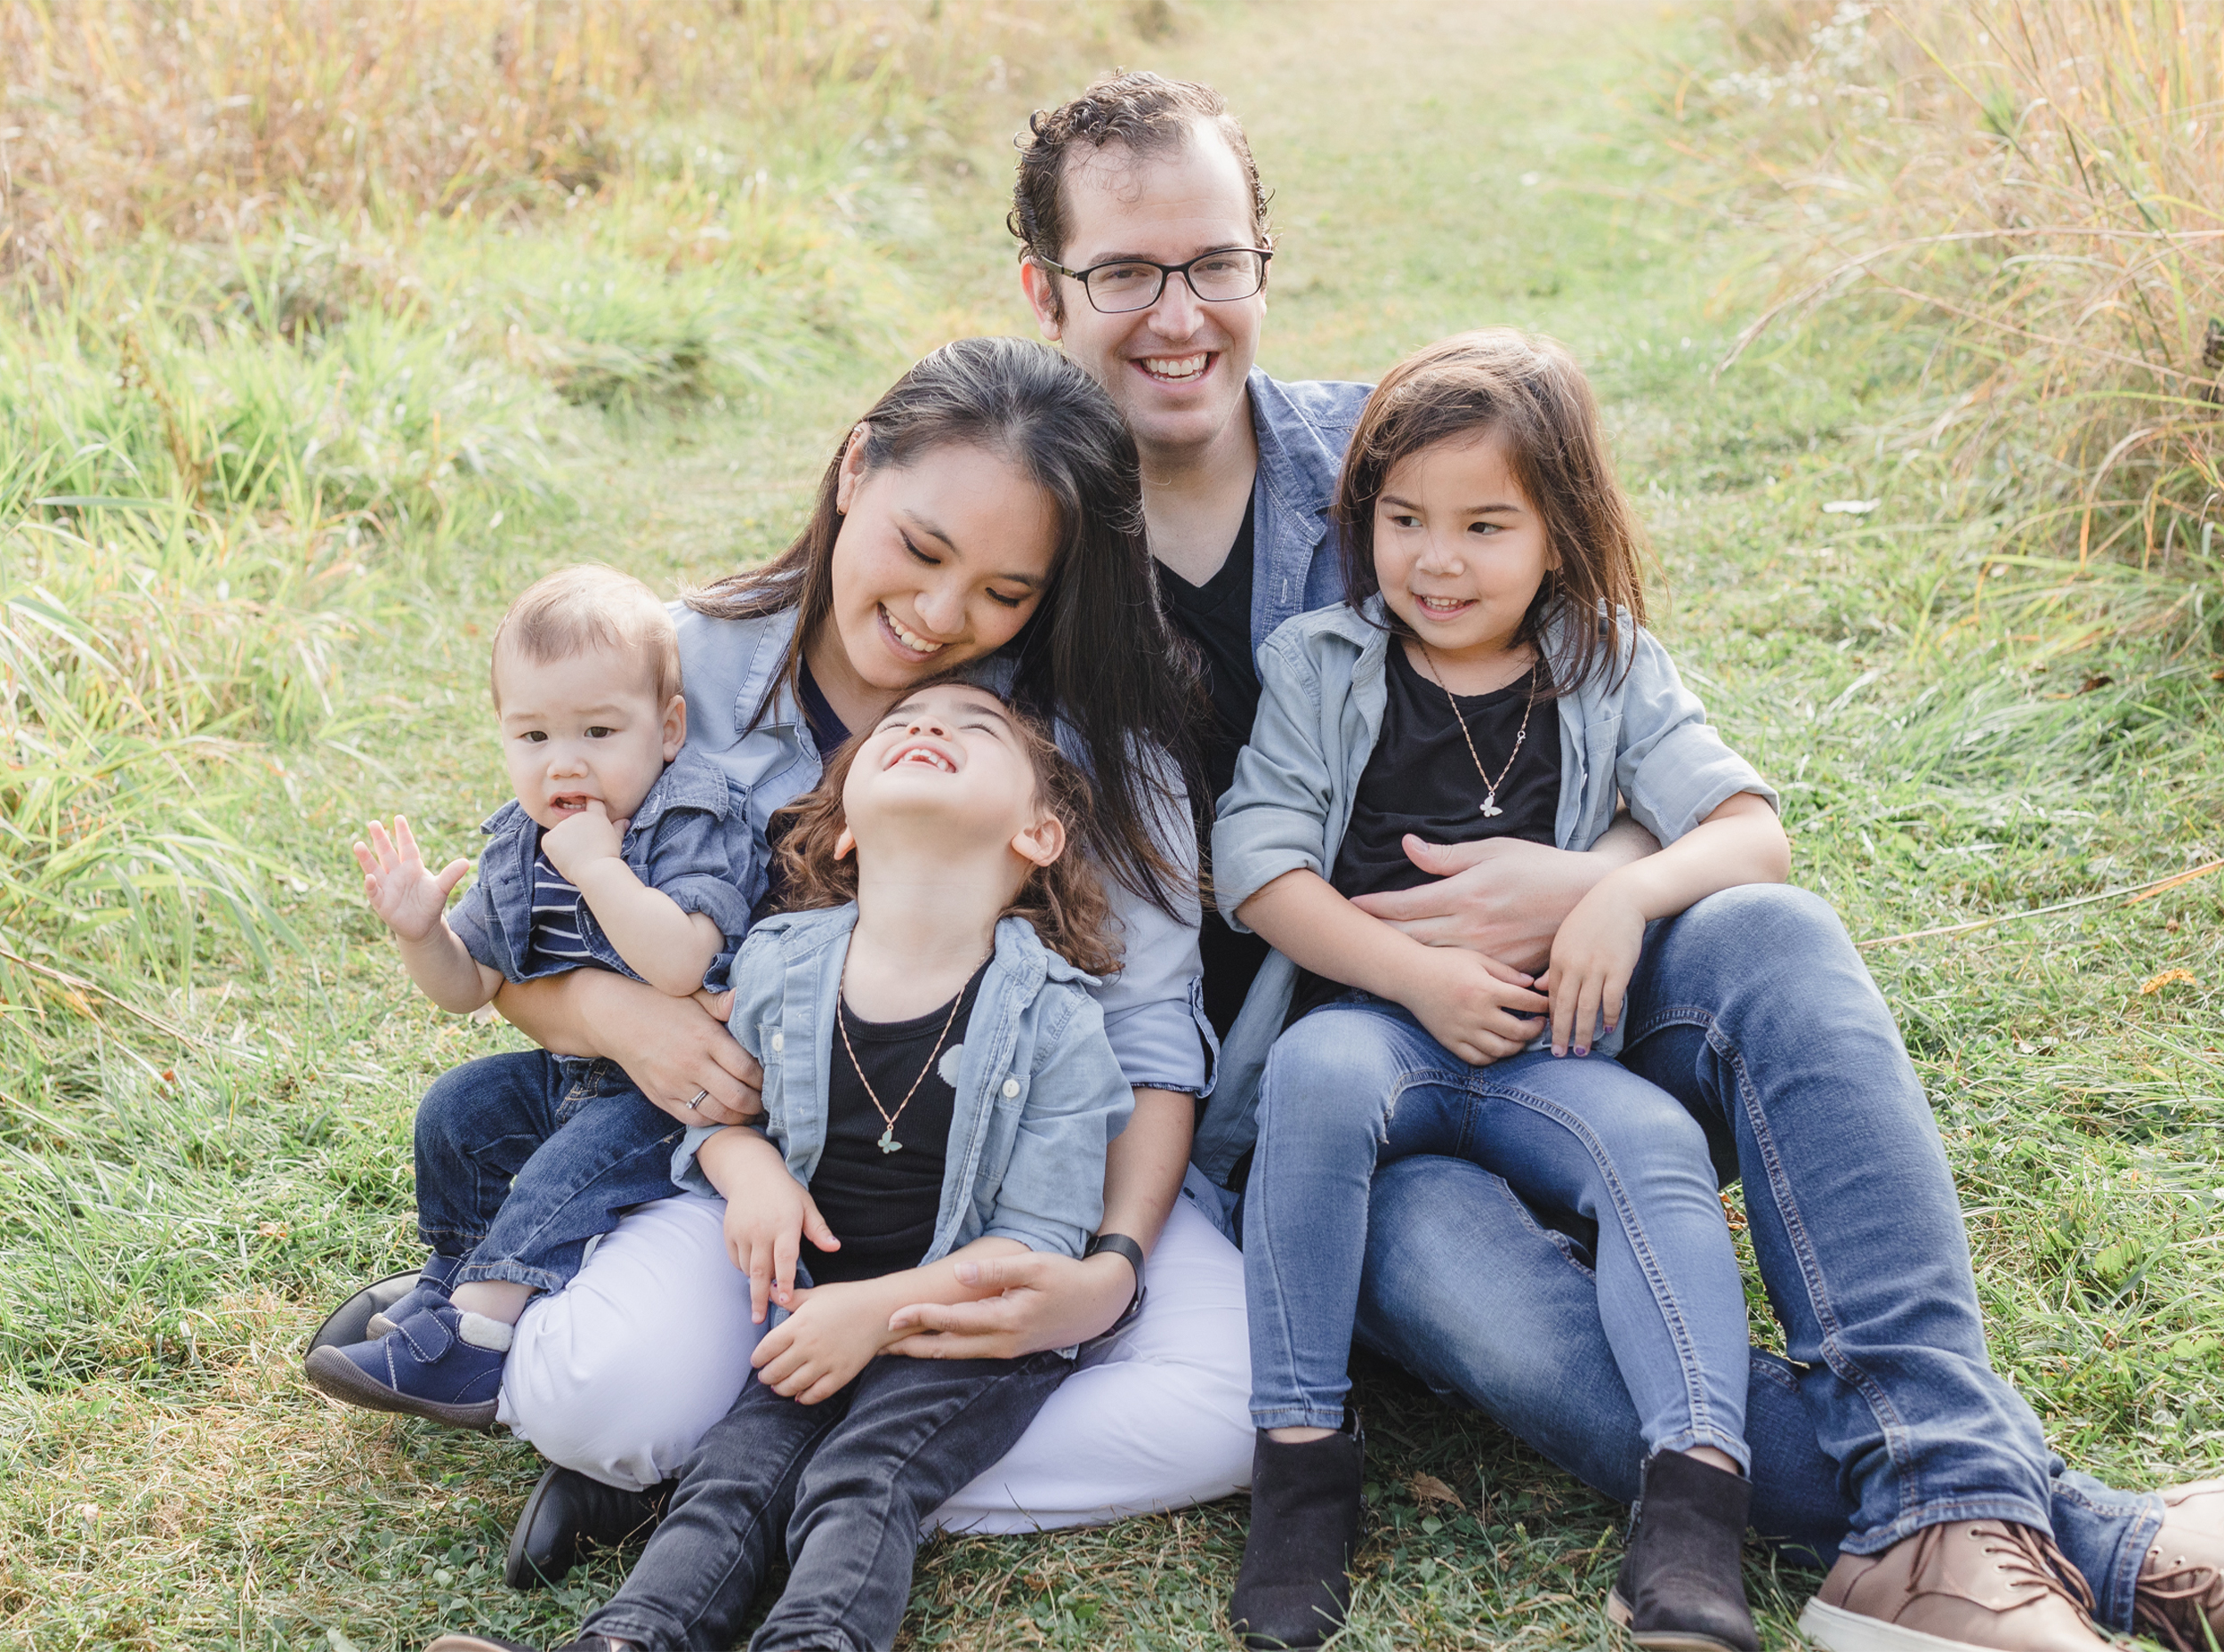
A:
2037	186
201	117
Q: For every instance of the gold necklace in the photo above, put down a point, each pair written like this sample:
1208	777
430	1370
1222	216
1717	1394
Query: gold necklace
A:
888	1142
1490	786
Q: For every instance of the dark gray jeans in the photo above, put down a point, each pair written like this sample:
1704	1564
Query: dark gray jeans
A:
846	1483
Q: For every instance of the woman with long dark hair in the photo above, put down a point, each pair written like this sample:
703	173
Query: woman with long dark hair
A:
987	512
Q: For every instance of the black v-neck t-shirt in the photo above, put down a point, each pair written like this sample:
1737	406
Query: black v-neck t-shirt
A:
881	1206
1422	779
1216	617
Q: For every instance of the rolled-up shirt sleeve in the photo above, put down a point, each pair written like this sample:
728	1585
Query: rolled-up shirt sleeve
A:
1672	768
472	918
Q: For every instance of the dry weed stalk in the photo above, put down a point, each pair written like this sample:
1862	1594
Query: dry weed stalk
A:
2043	181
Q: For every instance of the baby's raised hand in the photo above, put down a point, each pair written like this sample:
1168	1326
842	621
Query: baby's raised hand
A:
408	898
579	839
1593	956
1481	1010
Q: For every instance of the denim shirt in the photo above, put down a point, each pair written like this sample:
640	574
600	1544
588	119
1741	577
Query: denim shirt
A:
688	840
1153	1009
1297	557
1640	735
1040	1093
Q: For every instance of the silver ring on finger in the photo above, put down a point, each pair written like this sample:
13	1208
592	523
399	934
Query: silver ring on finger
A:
696	1101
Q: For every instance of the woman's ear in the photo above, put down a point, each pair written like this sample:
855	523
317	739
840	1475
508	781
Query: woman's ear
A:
852	471
845	842
675	726
1041	843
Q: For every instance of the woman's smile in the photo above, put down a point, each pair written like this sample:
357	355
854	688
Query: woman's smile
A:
908	641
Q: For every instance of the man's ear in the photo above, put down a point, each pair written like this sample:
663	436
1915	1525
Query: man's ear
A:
845	843
1041	287
675	726
1041	843
852	471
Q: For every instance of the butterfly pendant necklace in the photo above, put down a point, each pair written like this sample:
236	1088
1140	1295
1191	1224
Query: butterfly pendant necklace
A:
888	1142
1490	786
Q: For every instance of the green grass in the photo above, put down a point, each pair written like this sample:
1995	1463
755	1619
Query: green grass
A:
177	1207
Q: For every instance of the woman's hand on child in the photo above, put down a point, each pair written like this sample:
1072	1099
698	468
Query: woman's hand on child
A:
577	841
409	899
812	1354
1502	897
1593	958
1481	1010
1044	1301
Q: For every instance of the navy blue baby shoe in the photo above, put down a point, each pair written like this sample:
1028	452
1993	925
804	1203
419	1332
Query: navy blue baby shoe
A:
439	1363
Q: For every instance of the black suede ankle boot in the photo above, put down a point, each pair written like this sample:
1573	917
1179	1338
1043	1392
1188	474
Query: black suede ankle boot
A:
1679	1588
1295	1585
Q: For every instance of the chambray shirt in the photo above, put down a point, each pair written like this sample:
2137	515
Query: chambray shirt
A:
1153	1009
1040	1093
1638	735
1297	557
690	839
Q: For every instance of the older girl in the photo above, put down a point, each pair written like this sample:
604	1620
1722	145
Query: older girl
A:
1487	676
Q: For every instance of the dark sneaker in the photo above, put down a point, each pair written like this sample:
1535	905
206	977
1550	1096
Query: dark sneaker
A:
1983	1583
568	1510
435	1280
1680	1588
441	1364
2180	1598
1294	1589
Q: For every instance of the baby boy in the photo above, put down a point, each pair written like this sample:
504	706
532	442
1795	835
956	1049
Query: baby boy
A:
623	850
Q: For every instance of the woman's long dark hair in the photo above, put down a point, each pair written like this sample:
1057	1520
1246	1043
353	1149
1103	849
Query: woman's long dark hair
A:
1097	654
1531	394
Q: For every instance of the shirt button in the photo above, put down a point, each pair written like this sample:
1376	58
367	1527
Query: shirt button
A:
779	1042
1011	1088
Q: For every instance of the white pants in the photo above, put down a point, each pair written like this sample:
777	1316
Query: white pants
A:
622	1374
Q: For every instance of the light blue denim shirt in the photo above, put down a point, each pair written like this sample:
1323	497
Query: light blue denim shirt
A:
1153	1010
1040	1094
1638	734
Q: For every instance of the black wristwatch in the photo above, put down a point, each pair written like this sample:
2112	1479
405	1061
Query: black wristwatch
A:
1120	1244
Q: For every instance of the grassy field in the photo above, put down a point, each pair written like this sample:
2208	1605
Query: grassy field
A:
261	495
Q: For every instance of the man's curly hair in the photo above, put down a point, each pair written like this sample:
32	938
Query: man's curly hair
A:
1148	115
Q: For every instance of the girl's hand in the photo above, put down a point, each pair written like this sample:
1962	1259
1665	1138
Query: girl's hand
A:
769	1213
812	1355
1593	958
1481	1010
408	899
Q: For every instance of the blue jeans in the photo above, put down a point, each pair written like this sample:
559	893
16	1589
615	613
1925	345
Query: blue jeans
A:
1754	1010
1359	1083
843	1486
522	1158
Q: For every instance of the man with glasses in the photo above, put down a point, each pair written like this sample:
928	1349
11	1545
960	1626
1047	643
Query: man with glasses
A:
1144	254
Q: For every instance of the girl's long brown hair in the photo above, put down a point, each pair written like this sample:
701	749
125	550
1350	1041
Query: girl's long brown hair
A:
1099	653
1529	393
1065	901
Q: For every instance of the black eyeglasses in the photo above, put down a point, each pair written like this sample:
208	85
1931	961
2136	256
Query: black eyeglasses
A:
1125	284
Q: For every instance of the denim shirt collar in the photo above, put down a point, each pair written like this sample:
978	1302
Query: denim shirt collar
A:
1295	557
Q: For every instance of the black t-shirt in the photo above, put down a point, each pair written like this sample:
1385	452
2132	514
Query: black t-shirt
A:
1422	779
881	1206
1216	616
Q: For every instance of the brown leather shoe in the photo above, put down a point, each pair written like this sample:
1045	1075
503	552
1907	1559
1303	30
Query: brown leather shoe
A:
2180	1598
1982	1584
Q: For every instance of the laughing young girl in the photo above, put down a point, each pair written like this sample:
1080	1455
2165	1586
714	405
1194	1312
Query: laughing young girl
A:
1489	676
938	1091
